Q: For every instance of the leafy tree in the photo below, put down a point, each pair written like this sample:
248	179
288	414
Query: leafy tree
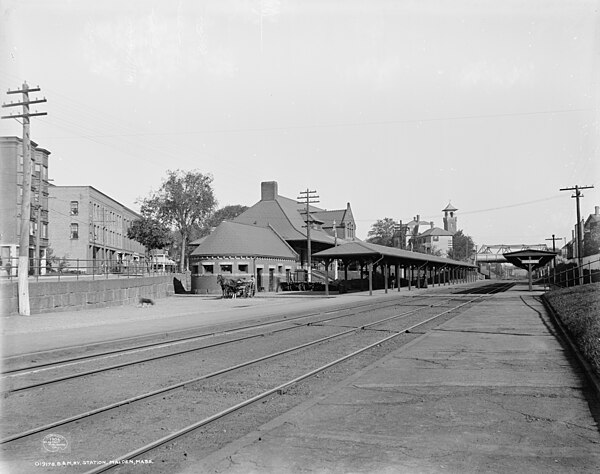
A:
382	232
226	213
462	247
150	233
184	200
54	262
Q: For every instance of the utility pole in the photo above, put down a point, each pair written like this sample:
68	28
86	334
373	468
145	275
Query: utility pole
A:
309	198
23	270
554	239
577	195
553	261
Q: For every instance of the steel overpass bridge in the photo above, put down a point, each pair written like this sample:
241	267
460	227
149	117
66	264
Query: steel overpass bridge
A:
495	253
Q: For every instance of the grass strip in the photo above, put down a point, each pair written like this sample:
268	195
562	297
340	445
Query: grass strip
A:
579	310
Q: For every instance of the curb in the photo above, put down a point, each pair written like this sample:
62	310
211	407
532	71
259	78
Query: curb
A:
590	374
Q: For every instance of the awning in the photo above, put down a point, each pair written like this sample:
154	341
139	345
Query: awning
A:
525	258
359	250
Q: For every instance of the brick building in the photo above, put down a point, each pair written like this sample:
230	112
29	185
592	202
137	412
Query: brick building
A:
11	195
88	225
241	251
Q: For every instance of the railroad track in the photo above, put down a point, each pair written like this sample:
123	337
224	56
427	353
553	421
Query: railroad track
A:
324	344
170	340
36	368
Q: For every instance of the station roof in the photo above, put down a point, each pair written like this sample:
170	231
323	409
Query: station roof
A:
522	258
359	250
236	239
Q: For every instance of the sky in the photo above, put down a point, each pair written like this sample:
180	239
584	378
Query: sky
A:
397	107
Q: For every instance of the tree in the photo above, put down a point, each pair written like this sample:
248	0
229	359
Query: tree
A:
382	232
184	200
226	213
150	233
462	247
54	262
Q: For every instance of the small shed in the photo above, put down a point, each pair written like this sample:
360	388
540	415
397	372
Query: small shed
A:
240	251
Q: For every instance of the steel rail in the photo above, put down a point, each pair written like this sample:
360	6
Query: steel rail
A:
162	343
135	362
149	359
212	374
278	389
64	363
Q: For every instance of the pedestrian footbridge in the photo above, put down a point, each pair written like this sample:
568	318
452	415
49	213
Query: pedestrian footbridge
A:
495	253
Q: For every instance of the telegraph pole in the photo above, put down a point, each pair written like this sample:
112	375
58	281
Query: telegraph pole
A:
554	239
308	197
23	270
553	262
577	195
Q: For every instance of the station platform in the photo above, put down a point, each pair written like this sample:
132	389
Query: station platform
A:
490	391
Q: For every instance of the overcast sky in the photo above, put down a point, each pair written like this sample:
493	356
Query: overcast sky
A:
397	107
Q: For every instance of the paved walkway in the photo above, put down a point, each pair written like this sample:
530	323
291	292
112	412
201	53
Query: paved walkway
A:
492	390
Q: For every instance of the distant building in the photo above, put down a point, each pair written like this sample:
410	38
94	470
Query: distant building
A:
591	231
160	261
11	196
88	225
423	236
434	241
450	218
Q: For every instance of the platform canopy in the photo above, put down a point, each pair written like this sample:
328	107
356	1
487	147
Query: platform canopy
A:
367	252
529	258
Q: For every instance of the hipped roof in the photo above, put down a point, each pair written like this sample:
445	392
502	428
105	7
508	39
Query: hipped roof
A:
237	239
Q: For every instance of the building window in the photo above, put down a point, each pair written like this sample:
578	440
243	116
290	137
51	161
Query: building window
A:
44	230
226	268
436	238
209	269
243	267
74	208
74	231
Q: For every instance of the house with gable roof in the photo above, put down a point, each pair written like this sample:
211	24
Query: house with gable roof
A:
288	218
239	251
433	239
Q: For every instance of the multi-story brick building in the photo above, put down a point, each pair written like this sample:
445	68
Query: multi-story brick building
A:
11	196
88	225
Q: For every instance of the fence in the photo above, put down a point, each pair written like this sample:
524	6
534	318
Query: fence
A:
65	268
571	274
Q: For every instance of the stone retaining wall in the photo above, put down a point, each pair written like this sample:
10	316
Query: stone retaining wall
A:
51	296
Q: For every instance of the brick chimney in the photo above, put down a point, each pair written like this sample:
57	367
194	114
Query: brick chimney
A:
431	224
268	190
597	209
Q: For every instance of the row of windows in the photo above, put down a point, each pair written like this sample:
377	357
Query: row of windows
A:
227	268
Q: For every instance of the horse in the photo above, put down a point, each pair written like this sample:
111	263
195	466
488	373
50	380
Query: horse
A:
228	286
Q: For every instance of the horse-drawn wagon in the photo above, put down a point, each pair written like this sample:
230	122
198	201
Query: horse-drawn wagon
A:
232	288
